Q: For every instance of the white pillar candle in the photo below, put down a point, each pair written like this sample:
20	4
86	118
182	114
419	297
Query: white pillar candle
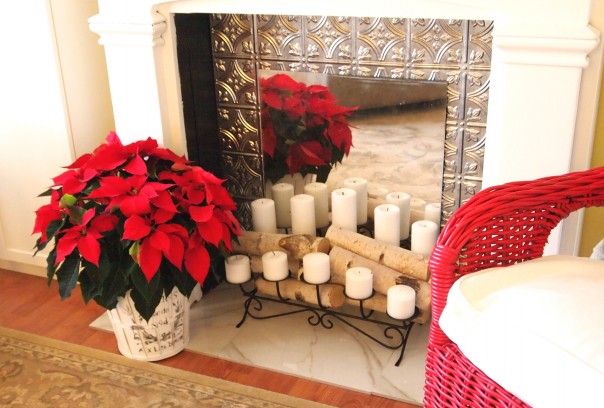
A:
344	208
274	266
432	212
360	186
423	237
316	268
400	302
282	193
387	224
298	182
237	269
319	192
417	210
264	217
303	214
359	283
403	202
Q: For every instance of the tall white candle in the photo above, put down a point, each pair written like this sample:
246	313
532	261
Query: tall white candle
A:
237	269
400	302
298	182
264	217
417	210
360	186
316	267
282	193
359	282
274	266
319	192
344	208
432	212
423	237
303	214
387	224
403	202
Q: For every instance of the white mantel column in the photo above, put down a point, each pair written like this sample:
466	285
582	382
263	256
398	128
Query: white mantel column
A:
535	88
131	41
535	85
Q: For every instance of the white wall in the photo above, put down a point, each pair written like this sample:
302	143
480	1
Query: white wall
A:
54	104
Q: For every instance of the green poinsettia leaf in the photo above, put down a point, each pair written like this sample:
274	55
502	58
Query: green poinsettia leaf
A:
146	303
115	285
182	280
75	214
51	268
88	286
67	274
145	289
46	193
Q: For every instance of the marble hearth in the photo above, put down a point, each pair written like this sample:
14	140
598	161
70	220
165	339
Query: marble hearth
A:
338	356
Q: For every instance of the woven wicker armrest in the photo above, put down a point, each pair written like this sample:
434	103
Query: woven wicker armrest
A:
499	226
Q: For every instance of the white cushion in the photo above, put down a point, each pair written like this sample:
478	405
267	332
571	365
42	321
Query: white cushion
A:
537	328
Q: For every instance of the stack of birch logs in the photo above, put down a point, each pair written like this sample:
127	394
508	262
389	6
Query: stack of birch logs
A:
390	264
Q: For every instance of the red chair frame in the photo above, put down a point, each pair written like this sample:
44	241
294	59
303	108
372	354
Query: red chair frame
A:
499	226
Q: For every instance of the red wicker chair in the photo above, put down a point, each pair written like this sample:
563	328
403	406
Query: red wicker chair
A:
499	226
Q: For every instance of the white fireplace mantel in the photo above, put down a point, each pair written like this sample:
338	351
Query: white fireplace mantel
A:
540	50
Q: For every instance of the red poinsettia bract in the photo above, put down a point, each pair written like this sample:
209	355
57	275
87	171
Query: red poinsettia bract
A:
302	126
135	203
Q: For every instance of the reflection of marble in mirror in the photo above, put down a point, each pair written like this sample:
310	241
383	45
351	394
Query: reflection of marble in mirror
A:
398	132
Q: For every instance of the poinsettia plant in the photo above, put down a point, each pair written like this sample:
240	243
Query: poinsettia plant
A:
303	128
135	217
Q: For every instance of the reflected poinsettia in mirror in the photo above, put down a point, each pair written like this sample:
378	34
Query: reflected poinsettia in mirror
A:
391	131
304	129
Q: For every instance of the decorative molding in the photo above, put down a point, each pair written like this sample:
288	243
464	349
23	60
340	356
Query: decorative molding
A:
552	51
118	33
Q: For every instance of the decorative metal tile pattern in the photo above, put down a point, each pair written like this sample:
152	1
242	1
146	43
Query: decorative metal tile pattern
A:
455	51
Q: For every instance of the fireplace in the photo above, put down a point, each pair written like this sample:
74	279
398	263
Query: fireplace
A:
535	77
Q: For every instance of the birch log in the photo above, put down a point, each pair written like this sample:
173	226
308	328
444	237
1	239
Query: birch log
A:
392	256
296	246
331	295
340	260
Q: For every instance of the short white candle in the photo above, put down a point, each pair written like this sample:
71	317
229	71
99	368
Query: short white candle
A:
400	302
319	192
359	283
303	214
403	202
316	267
387	224
344	208
264	218
432	212
237	269
423	237
282	193
360	186
274	266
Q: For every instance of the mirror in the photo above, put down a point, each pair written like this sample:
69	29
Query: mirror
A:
397	128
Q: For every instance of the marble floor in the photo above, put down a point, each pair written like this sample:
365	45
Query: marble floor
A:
289	344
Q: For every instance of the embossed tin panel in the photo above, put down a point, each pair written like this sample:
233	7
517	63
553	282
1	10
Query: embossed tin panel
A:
455	51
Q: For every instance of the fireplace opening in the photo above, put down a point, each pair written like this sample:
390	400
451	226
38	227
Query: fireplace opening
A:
220	57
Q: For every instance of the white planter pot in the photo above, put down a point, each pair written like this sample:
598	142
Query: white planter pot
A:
164	335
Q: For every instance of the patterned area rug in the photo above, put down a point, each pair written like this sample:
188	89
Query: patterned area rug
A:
41	372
